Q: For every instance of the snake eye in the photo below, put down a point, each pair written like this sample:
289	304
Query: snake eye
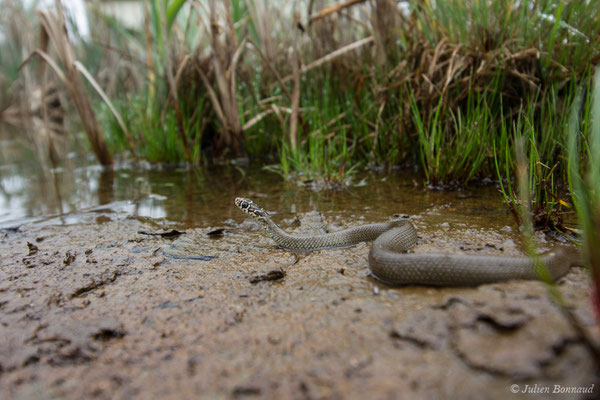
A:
244	205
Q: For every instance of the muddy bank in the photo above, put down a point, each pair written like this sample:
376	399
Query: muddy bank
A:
96	309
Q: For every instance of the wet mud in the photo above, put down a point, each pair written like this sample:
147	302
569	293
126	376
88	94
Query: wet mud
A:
100	309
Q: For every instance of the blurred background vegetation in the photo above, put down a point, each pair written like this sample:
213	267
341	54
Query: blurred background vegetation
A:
314	90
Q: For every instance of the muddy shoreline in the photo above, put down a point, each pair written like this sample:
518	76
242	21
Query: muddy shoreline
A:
97	310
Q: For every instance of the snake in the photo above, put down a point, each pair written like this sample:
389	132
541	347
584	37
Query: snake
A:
391	263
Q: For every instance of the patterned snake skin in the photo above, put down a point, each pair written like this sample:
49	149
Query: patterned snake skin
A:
390	263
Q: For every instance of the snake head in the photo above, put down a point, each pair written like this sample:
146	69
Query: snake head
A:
250	207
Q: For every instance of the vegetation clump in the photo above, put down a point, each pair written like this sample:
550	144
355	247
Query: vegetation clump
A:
327	88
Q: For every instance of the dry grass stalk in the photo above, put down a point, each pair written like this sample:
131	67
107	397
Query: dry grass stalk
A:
54	29
114	111
385	27
34	106
149	59
262	18
256	119
431	73
46	130
273	70
333	9
17	30
224	60
332	56
181	68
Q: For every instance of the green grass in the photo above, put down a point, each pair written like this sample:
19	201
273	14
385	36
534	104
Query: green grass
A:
327	154
157	133
451	88
454	153
544	145
584	176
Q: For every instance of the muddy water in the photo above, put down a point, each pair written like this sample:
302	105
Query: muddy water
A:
89	307
197	197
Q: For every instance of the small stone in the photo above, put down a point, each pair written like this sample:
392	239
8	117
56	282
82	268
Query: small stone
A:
32	248
69	258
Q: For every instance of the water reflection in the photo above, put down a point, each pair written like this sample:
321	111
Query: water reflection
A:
198	197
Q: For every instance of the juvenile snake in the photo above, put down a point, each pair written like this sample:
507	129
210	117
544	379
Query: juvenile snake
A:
390	263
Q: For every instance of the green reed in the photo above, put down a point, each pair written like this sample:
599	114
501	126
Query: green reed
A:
584	175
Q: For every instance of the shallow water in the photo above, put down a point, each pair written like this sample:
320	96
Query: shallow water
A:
79	191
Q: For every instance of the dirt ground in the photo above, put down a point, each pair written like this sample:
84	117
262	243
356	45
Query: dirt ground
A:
98	310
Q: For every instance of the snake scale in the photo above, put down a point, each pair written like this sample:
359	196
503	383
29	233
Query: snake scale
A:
390	263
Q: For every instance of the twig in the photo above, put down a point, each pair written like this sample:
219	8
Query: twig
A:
273	70
333	55
333	9
149	60
256	119
104	97
212	95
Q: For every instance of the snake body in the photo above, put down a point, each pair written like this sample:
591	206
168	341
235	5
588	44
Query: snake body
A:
390	263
